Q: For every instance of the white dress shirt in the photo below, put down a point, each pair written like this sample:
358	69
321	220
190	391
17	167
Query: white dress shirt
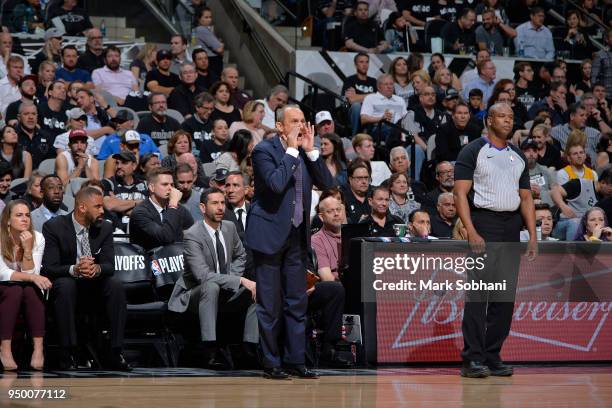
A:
7	268
244	213
211	231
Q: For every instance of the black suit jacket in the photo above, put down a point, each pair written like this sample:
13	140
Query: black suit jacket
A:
148	230
230	215
61	247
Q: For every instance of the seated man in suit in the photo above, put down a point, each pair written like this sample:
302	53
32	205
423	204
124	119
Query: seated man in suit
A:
214	264
79	258
53	193
160	219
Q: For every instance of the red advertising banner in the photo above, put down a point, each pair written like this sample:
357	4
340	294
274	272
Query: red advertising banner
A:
554	319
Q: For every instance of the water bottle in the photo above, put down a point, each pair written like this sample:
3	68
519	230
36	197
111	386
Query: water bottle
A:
24	26
539	230
103	28
492	48
521	49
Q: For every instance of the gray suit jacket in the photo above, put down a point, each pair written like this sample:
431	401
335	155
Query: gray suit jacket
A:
200	260
38	217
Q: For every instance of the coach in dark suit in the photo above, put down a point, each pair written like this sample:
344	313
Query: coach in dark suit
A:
160	219
79	258
278	232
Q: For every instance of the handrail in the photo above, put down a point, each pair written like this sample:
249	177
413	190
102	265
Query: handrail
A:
586	14
286	10
561	19
160	15
313	83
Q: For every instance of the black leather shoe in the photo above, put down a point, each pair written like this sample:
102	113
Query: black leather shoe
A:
335	360
214	364
67	363
275	373
301	372
475	369
500	369
118	363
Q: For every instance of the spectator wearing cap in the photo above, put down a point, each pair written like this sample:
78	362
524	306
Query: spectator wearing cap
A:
534	38
37	141
199	124
76	162
238	97
449	100
160	219
123	191
9	85
541	179
184	180
113	143
160	79
181	98
13	154
239	149
217	180
485	81
6	51
252	120
277	98
112	78
52	113
93	57
158	124
27	88
130	142
456	133
205	78
51	49
324	124
382	107
215	147
77	120
68	16
69	71
28	14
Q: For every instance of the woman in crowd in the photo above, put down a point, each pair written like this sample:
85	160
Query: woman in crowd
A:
33	195
51	52
418	80
46	75
217	144
437	62
179	144
21	286
584	85
604	151
223	106
209	41
335	159
401	78
147	163
252	114
575	39
402	198
442	81
594	226
239	149
415	62
145	61
12	153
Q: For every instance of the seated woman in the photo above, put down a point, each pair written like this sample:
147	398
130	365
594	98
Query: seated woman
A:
21	251
224	109
147	163
237	152
12	153
179	144
594	227
402	202
335	159
253	114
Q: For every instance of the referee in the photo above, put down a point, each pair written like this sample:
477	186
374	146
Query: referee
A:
493	200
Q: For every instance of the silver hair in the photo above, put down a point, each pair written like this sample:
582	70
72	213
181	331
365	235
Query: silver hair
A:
280	113
382	78
278	89
445	195
187	64
26	105
396	149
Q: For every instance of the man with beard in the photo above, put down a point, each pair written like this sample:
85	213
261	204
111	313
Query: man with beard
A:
93	57
79	258
182	97
493	200
184	181
456	133
53	193
160	79
205	77
113	79
27	87
380	220
52	114
75	162
445	176
494	32
541	180
160	219
124	191
69	71
199	125
157	124
37	141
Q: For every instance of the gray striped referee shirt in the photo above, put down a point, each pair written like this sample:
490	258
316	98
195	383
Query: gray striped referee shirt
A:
496	175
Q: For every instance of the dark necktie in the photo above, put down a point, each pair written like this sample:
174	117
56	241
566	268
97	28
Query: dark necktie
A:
220	253
298	212
163	214
85	248
240	211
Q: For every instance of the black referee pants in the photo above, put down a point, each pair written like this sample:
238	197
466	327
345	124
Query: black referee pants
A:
486	322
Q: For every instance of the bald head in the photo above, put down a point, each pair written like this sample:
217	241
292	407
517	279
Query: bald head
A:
230	75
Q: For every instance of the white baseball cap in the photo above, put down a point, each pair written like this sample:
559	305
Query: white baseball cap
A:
131	136
322	117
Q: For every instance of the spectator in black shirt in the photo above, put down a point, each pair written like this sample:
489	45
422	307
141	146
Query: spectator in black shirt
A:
332	13
181	98
355	192
380	220
51	49
443	221
445	178
74	20
213	148
357	87
27	87
548	154
52	113
448	9
157	124
460	35
161	80
93	57
199	124
525	90
418	12
205	77
363	34
34	140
